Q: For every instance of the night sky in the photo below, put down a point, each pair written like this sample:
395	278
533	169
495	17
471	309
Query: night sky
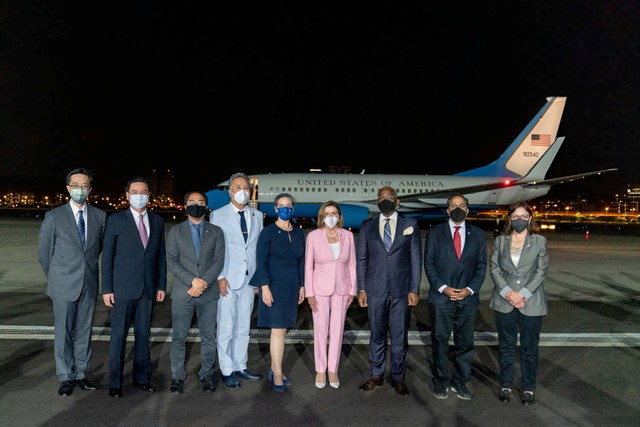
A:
311	84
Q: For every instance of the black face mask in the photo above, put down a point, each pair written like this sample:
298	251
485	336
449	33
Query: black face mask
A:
520	225
387	207
196	211
457	215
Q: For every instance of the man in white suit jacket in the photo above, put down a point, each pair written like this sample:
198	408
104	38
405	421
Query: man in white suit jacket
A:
236	296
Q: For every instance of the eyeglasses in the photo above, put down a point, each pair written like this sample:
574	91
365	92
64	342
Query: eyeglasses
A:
76	186
516	217
387	197
462	206
191	203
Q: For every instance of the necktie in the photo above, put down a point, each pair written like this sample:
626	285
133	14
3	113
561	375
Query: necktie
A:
197	241
81	227
143	232
243	225
387	234
457	240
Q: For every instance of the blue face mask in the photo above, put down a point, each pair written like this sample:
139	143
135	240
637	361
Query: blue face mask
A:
139	201
285	213
79	195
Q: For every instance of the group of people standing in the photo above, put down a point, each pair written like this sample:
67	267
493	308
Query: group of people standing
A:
221	264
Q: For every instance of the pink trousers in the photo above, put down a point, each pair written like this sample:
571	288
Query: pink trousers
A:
328	327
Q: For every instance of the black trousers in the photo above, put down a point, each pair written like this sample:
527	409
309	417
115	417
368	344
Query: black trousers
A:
459	318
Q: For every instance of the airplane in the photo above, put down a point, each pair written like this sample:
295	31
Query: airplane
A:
517	175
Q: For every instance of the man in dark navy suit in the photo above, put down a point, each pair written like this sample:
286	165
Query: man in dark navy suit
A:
389	270
134	275
455	279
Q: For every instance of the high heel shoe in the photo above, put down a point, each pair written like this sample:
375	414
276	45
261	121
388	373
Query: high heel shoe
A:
321	384
279	388
334	384
285	381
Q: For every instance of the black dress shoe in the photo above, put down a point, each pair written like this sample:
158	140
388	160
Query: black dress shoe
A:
145	387
177	386
400	388
86	384
115	392
505	395
527	398
371	383
231	381
207	384
66	388
248	375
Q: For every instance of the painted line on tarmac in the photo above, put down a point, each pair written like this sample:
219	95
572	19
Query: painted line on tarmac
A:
305	336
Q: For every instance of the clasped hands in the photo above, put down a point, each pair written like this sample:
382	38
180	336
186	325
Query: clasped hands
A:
516	299
456	294
198	286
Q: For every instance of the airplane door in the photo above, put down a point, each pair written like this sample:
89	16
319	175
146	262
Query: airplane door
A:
493	197
368	193
253	193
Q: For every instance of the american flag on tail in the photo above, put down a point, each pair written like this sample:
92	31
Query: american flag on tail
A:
540	139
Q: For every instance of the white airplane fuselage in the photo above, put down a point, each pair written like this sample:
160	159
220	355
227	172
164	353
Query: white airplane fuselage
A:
518	174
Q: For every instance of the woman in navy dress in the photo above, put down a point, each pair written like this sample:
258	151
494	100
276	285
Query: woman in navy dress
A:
280	277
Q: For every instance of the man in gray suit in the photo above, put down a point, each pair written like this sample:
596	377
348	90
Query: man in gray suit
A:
389	270
69	245
237	297
195	256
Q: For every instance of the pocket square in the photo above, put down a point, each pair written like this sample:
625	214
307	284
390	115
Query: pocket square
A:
407	231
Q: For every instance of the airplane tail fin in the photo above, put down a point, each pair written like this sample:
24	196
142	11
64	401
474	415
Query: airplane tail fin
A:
530	146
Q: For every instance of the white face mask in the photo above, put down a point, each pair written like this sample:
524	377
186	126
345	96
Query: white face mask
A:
139	201
241	197
330	221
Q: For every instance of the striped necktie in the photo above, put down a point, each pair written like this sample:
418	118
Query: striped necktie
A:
387	234
81	230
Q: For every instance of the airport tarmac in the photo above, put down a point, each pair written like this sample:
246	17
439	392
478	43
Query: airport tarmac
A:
588	373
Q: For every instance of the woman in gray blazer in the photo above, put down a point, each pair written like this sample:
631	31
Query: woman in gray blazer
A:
519	262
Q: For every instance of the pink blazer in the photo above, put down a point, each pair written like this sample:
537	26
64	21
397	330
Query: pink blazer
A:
325	275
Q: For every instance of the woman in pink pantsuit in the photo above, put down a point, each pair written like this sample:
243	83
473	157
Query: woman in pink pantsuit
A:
330	286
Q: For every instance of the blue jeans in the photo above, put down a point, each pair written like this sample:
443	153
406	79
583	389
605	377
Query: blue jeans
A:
508	326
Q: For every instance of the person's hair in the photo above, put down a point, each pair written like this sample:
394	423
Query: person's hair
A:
239	175
137	179
282	195
533	227
83	171
186	197
321	214
466	201
388	188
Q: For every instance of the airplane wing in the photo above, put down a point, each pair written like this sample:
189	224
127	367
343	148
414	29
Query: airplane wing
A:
563	179
423	198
